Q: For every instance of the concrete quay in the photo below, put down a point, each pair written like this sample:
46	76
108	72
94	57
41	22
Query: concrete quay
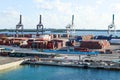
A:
101	61
9	62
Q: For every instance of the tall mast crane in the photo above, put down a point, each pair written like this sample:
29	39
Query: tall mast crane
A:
40	26
112	26
73	27
19	26
70	27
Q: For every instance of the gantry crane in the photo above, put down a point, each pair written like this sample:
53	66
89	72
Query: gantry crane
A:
40	26
112	26
70	27
19	27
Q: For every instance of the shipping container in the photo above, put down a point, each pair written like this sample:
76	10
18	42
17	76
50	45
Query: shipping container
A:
39	44
59	35
55	35
103	37
51	36
3	35
51	45
95	44
18	41
43	38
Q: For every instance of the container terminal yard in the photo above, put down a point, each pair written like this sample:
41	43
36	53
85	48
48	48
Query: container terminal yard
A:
87	51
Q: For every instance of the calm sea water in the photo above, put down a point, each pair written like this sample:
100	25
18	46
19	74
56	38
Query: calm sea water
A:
28	72
76	33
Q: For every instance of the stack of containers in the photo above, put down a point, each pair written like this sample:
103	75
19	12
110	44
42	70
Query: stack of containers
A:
40	44
55	36
51	36
6	41
1	42
70	43
51	45
2	35
59	35
55	44
95	44
18	41
44	38
58	43
30	42
28	35
106	43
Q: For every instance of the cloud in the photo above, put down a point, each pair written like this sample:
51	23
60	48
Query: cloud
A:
39	1
99	2
8	17
63	7
57	14
97	16
55	5
13	14
85	16
115	7
45	6
54	13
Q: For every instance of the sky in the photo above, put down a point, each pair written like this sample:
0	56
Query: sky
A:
88	14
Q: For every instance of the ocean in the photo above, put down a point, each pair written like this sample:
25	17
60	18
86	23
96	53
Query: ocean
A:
76	33
37	72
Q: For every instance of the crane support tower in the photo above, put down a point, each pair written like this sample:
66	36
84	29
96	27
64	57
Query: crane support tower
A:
112	26
70	27
72	20
73	27
19	26
40	26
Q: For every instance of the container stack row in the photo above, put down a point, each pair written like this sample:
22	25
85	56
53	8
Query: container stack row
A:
95	44
40	43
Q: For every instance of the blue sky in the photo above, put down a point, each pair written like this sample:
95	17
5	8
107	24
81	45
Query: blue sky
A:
89	14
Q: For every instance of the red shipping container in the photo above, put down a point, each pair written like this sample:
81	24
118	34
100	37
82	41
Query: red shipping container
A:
51	45
95	44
